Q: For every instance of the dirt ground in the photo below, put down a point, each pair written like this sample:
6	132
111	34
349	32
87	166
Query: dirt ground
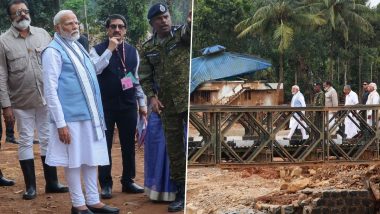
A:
217	190
11	197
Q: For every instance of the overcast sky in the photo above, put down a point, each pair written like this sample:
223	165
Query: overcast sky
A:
374	2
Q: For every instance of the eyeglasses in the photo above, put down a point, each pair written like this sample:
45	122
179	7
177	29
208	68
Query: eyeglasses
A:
20	11
113	27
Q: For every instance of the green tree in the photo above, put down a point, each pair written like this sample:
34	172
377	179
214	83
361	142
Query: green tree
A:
341	16
214	21
133	10
41	12
277	20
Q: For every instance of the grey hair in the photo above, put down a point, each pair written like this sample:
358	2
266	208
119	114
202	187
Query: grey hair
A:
296	87
58	16
373	85
348	87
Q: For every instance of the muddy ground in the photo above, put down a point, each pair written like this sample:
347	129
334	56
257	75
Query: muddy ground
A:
11	197
242	190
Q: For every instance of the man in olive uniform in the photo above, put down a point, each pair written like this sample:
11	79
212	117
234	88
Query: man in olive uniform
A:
164	76
319	100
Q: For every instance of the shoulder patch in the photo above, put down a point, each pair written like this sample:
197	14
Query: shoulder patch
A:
177	27
147	41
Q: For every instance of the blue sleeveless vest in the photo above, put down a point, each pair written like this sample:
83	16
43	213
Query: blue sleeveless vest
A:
70	93
113	96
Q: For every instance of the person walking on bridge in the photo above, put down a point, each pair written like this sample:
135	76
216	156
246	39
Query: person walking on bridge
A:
298	100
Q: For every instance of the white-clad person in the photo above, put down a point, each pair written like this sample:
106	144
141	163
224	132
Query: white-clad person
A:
373	99
298	100
351	99
77	139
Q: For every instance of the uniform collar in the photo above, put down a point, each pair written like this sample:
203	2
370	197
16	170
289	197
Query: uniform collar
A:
157	40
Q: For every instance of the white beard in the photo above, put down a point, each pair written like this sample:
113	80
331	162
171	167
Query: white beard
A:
24	24
70	37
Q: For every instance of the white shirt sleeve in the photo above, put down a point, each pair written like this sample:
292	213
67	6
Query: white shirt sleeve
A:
376	99
140	95
51	66
100	62
355	99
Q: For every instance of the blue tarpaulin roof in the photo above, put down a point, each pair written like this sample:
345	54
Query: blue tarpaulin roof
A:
218	64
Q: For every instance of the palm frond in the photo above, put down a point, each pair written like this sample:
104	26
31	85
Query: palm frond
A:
332	17
342	26
252	29
284	34
359	21
312	19
244	24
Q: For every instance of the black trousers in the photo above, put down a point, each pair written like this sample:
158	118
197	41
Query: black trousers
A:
9	130
126	122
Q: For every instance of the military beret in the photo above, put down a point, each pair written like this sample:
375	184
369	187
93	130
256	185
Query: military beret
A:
157	9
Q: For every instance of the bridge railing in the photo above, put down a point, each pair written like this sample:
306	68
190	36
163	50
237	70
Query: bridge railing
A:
263	126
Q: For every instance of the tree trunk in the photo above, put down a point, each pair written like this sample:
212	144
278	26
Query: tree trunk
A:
169	3
331	57
56	5
86	18
360	69
345	71
338	68
281	72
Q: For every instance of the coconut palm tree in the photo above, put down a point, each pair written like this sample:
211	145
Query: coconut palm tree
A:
278	19
341	17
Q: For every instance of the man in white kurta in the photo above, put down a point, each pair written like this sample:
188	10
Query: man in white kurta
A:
373	99
298	100
72	92
351	99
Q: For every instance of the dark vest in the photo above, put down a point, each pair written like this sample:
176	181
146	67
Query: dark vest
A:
113	96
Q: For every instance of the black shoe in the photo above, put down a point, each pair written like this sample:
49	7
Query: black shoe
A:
36	142
132	188
104	209
11	140
56	188
76	211
176	206
106	192
27	167
341	133
6	182
179	203
51	179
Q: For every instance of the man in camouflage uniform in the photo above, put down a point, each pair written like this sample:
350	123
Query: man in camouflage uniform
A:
319	100
164	76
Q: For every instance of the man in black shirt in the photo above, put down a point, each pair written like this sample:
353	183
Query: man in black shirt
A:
365	92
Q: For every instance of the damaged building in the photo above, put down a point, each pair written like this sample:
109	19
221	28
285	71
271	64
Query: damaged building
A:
210	87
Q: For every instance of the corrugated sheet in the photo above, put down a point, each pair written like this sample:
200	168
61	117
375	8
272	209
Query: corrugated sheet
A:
222	65
213	49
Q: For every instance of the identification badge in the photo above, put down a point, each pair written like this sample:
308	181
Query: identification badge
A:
126	83
130	75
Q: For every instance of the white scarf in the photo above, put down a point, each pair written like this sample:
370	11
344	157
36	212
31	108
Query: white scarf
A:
85	82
